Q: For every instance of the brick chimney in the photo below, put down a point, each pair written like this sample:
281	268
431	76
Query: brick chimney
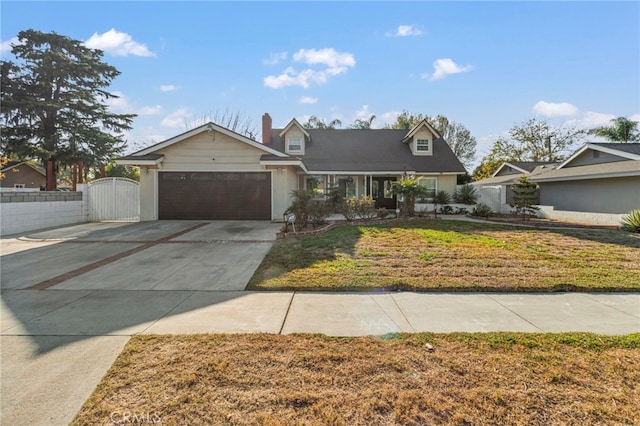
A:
266	129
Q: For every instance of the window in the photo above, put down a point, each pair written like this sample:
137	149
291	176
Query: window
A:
294	144
431	185
315	184
422	145
596	154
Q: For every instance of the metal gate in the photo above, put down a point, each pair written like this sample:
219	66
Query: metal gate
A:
114	198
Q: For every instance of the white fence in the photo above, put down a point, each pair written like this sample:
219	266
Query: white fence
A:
114	199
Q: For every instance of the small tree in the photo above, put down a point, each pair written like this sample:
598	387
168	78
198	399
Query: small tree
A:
300	206
410	189
441	198
525	198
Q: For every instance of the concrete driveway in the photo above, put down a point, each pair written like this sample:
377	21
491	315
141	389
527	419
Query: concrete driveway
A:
167	255
72	297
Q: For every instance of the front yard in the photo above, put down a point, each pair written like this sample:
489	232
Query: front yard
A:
418	379
427	255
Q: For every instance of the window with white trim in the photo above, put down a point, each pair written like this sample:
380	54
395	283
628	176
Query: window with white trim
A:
294	144
431	185
422	145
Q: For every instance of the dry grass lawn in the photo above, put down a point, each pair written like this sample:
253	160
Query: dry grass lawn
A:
466	379
427	254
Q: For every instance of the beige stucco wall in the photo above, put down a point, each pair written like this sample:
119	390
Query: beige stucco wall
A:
445	182
618	195
294	132
423	133
206	152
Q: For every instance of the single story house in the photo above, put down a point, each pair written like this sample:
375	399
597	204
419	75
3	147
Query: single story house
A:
211	172
496	191
21	175
598	178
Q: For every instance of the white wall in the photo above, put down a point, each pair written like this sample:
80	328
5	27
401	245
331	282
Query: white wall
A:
50	209
605	219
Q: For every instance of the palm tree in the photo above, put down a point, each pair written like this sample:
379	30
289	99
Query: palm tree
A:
409	188
363	124
318	123
622	130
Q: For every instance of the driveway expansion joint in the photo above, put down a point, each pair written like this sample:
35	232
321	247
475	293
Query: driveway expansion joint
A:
103	262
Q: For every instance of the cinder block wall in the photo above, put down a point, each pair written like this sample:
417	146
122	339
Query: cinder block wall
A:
28	211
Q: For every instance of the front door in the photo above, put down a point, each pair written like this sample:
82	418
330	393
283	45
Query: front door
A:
381	192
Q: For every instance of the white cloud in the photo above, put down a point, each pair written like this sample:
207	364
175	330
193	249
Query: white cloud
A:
118	44
177	118
328	56
275	58
120	104
168	88
590	120
550	109
6	45
404	31
150	110
635	117
388	117
445	67
307	100
334	62
363	113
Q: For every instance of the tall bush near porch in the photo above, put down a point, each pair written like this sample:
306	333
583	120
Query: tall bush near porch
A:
410	189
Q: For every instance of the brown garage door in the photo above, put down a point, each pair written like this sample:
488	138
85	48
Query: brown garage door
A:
214	196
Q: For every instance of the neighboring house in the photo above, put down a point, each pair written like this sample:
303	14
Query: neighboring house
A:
598	178
499	184
20	175
211	172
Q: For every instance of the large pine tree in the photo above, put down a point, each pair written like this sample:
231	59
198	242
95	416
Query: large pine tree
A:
54	103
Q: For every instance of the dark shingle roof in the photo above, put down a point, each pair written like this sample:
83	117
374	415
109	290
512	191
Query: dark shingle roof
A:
529	165
336	150
631	148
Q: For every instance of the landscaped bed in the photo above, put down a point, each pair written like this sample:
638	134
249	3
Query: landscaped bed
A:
433	254
418	379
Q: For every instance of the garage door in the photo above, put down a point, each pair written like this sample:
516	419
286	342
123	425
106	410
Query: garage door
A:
214	196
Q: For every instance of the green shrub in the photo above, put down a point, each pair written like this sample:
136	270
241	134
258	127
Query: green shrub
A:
466	194
382	213
446	210
481	210
441	198
348	208
365	208
319	211
631	221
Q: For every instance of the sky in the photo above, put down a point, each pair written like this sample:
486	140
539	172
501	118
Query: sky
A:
486	65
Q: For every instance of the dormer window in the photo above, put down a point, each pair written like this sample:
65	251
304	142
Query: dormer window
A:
294	144
422	145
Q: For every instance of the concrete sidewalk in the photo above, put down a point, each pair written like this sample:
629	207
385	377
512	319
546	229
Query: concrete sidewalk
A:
58	344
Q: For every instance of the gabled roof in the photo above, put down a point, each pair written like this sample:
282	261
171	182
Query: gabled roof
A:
295	123
522	166
142	155
629	151
418	126
13	164
536	168
368	151
592	171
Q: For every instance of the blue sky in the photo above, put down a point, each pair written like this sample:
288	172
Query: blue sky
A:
487	65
